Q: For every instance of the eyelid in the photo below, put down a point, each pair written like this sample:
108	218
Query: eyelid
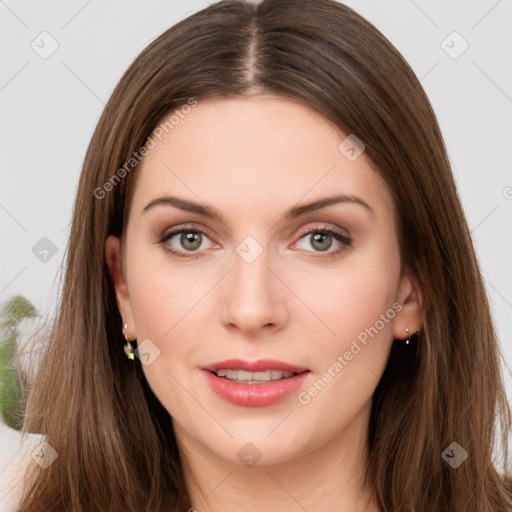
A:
175	230
344	239
321	227
335	232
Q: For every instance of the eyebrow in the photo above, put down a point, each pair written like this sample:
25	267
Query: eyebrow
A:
292	213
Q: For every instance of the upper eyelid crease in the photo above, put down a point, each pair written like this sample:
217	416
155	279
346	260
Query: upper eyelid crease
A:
292	213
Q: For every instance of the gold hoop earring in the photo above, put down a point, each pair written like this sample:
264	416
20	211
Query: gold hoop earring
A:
128	349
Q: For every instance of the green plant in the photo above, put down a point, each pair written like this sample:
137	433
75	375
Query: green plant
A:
11	397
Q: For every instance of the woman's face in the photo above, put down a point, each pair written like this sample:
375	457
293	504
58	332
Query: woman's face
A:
263	279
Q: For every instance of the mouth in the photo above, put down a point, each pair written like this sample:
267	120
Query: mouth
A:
244	377
254	384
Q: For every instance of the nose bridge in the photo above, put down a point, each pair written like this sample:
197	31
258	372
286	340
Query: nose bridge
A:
255	296
251	276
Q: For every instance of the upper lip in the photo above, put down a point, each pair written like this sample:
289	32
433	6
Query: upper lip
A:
254	366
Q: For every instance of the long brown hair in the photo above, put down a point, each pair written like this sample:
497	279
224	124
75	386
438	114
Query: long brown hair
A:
116	446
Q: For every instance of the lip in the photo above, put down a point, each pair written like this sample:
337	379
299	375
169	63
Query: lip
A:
254	395
260	365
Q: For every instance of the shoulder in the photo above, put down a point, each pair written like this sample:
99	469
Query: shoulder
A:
17	452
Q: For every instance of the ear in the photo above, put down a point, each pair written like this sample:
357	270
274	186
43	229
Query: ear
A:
114	260
410	317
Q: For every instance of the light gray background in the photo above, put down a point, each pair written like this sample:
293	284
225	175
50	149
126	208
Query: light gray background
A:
50	107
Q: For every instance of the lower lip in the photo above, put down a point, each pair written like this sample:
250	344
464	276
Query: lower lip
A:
255	395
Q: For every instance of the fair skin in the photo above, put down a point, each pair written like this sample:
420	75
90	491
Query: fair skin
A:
251	160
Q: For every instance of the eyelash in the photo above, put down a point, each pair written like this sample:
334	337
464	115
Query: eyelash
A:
340	237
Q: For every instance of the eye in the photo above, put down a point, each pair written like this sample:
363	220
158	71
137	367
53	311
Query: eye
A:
190	239
322	240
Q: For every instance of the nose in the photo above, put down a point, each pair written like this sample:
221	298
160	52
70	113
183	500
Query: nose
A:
254	296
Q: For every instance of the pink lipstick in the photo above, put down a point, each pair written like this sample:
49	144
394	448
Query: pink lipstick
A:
254	383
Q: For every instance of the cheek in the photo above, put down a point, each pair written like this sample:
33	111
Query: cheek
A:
162	297
357	306
161	292
169	302
349	363
352	299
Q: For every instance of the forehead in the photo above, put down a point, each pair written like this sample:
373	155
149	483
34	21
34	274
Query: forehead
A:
253	154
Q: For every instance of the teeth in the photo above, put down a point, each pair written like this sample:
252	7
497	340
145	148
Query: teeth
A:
242	375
